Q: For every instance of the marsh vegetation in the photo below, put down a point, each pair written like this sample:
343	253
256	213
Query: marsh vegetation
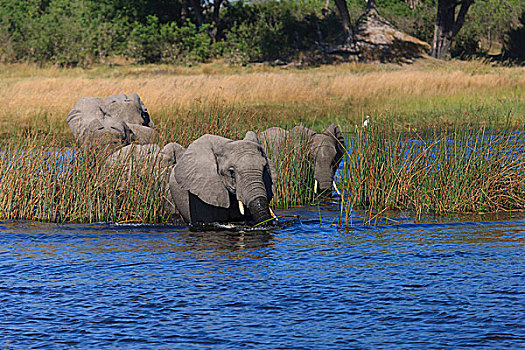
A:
467	170
444	137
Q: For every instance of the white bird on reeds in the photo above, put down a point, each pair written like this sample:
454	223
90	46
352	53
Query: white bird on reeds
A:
366	122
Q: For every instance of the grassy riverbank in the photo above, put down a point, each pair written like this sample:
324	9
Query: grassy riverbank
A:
412	97
434	143
468	170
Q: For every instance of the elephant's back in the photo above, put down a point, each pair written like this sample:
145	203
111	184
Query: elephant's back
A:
87	107
83	113
271	139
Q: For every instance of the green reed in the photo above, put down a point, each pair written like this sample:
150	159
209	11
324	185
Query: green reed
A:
442	172
295	175
71	185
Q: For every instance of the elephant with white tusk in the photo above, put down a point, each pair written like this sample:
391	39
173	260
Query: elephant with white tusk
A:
221	180
325	150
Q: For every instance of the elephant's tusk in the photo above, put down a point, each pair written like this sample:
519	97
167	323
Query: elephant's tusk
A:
273	214
315	186
241	208
336	189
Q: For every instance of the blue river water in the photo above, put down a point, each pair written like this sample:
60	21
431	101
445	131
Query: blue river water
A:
305	284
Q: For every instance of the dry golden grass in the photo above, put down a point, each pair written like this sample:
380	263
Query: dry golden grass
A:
41	97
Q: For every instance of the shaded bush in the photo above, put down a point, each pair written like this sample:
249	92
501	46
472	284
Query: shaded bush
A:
82	32
515	42
38	31
154	42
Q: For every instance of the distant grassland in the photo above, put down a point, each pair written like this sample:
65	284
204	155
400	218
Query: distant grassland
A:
411	97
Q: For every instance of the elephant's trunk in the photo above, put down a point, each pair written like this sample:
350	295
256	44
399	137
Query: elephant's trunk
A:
251	190
324	178
260	210
324	187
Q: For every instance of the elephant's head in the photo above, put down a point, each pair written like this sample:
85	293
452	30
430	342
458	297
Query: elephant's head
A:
226	174
326	149
129	109
106	131
170	153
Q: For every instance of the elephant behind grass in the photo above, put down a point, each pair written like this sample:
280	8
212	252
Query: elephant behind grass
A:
325	150
113	121
144	163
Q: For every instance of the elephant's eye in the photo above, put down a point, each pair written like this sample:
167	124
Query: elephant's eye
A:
231	171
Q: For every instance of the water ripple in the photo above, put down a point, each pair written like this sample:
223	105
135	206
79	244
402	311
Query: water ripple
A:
302	286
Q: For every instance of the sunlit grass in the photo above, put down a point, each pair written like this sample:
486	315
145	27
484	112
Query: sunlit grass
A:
469	170
47	183
412	96
295	173
442	103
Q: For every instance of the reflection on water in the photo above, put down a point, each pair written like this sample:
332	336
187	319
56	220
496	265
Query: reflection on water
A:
301	285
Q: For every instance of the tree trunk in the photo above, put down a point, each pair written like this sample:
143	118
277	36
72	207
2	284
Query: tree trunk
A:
215	19
448	25
196	4
345	17
184	13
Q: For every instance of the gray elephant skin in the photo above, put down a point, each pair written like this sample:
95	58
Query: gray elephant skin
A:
135	155
116	120
221	180
141	155
325	150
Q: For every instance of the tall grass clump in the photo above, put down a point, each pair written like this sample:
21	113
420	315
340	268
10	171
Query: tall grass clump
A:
295	173
51	184
40	181
442	172
208	117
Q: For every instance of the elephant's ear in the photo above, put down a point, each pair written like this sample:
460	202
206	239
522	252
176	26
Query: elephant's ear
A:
172	152
196	171
251	136
334	131
143	134
143	110
273	174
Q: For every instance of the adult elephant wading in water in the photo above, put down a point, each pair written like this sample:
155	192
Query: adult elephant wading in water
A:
221	180
325	150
